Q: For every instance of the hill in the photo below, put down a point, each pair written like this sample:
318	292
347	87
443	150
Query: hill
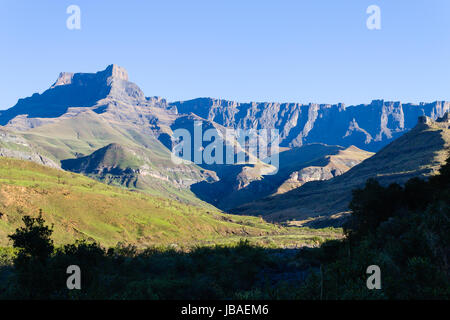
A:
134	168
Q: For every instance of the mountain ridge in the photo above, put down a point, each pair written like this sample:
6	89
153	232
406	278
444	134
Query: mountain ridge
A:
84	112
367	126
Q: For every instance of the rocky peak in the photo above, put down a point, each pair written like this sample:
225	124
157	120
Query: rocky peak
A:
112	72
117	72
63	79
121	88
442	122
78	90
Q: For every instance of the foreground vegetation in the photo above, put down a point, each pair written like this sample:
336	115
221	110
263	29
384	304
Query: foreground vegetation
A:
405	230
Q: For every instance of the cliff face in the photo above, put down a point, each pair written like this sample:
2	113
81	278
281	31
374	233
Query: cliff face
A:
369	127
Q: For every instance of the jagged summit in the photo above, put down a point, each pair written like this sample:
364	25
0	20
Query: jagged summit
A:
117	72
64	78
112	71
77	90
367	126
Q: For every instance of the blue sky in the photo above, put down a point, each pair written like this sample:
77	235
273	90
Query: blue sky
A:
279	50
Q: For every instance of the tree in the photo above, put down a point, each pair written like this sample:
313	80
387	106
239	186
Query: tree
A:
372	205
31	263
33	240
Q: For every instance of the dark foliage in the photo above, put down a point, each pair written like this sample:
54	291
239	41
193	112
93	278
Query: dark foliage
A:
403	229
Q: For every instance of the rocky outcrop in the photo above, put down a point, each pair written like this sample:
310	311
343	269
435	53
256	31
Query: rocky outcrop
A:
331	166
30	156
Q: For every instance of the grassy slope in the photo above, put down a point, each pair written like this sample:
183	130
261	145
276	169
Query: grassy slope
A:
80	207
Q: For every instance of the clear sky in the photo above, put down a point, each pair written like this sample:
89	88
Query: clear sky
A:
245	50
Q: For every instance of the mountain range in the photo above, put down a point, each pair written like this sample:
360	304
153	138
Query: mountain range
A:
103	126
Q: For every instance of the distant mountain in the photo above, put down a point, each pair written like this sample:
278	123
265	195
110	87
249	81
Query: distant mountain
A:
83	115
369	127
75	90
418	153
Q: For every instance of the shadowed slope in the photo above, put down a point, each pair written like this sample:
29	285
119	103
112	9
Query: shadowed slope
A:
243	184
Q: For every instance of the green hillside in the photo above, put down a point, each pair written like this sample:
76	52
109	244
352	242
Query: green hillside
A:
82	208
